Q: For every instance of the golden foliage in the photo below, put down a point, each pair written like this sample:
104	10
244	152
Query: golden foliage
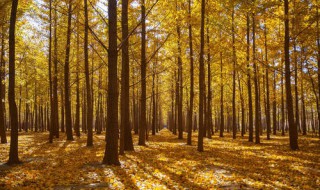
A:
165	163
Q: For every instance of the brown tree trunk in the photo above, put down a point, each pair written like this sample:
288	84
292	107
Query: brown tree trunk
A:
268	118
67	97
234	117
126	140
190	122
249	82
180	87
143	100
274	104
201	79
221	96
13	154
89	107
111	152
318	60
50	70
209	108
2	89
55	119
77	121
256	84
293	133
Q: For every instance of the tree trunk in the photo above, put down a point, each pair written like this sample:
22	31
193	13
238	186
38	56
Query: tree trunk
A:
67	97
293	133
234	117
13	154
318	60
221	96
55	119
2	90
180	87
256	84
111	151
190	122
267	85
125	73
77	122
201	79
143	107
249	82
89	107
209	108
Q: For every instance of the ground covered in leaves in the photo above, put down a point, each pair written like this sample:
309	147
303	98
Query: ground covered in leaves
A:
165	163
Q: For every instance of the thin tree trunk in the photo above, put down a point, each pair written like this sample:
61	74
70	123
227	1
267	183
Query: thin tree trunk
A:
13	154
267	85
143	107
249	82
2	90
209	108
190	122
256	84
234	117
201	79
55	121
77	121
293	133
89	107
126	140
67	97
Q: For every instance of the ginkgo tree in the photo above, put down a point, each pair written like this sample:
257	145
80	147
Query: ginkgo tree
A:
210	67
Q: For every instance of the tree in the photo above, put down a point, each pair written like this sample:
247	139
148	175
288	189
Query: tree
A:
126	137
143	107
201	79
67	76
255	79
89	109
13	154
50	68
249	82
268	120
55	109
234	117
293	133
2	88
111	152
190	122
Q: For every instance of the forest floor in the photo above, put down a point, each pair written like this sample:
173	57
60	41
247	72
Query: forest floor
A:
165	163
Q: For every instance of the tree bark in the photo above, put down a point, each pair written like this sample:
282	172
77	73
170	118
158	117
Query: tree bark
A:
256	84
111	152
267	84
234	117
143	107
293	133
249	82
201	79
190	122
13	154
89	110
67	97
2	90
